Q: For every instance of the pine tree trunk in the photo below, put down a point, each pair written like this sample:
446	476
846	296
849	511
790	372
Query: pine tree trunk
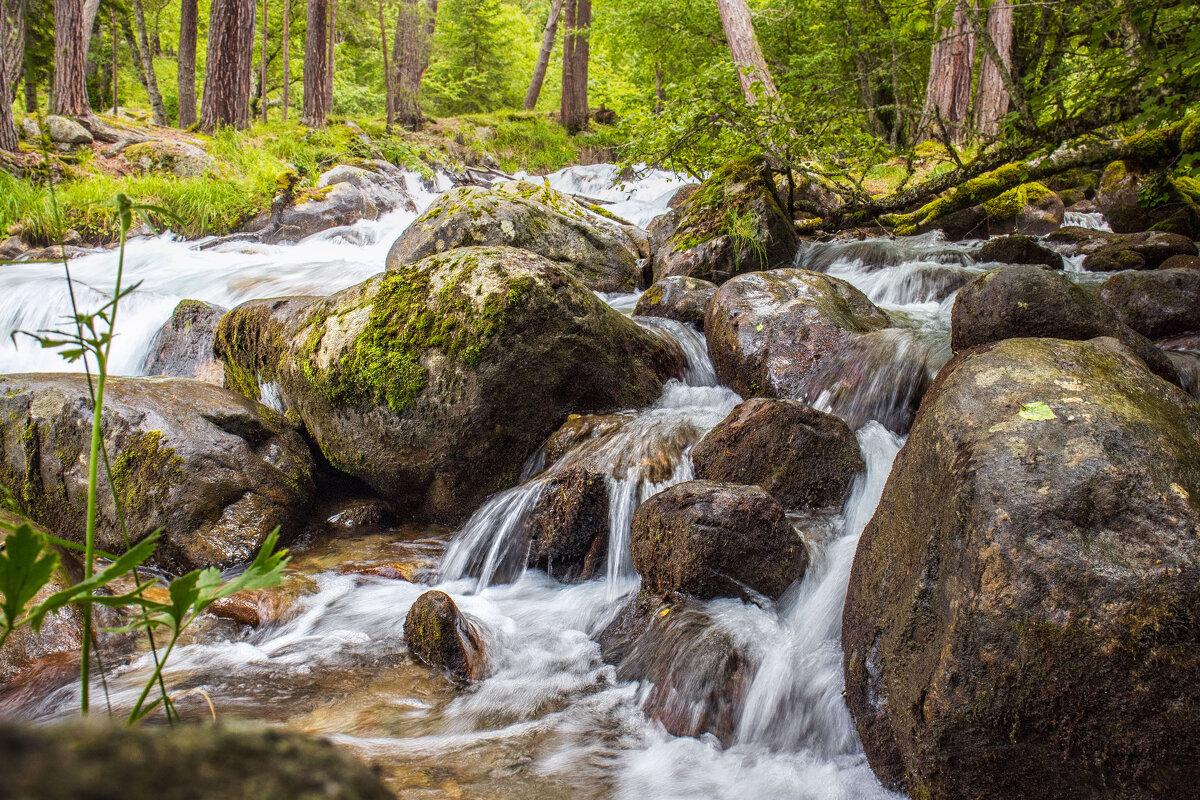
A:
70	60
314	65
753	73
549	36
948	93
287	57
991	98
112	35
134	56
229	65
262	76
147	58
31	82
12	44
388	92
576	24
329	65
8	128
188	23
410	58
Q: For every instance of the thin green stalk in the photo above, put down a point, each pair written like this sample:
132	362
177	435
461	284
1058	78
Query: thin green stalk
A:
156	678
89	552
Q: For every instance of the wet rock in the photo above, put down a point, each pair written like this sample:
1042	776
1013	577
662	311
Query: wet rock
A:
1122	198
1017	597
597	251
344	195
360	513
1016	302
435	382
182	348
178	158
966	223
768	330
1018	250
682	195
216	471
63	762
441	636
715	540
579	428
802	457
698	675
678	298
382	183
12	248
568	527
1156	304
66	131
1029	209
1110	252
734	223
1181	262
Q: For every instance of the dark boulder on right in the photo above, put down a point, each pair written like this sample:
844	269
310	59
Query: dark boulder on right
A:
1016	302
1157	303
183	347
1018	249
1112	252
441	636
716	540
677	297
1020	615
802	457
1181	262
1134	201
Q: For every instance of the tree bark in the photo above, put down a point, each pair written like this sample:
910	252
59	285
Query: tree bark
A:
229	65
753	73
112	34
8	128
660	95
12	44
262	75
134	54
31	81
951	65
1000	62
574	106
70	60
147	58
188	23
549	36
287	57
329	65
315	74
410	58
388	93
991	98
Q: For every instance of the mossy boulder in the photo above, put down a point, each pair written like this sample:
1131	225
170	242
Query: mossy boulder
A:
177	158
182	348
434	382
1134	201
1111	252
64	762
1158	303
1022	301
568	526
343	196
1018	617
768	331
1018	249
1029	209
678	298
440	635
802	457
1181	262
66	131
712	539
734	223
599	252
216	471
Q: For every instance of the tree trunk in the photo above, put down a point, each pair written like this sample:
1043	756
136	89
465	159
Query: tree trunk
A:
90	9
410	58
753	74
315	74
147	57
112	34
134	55
8	128
1000	62
991	98
12	44
948	93
31	82
575	65
262	75
329	65
229	65
188	22
660	95
549	36
287	57
70	60
388	93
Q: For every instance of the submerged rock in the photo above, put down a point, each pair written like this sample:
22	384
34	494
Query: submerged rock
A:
438	634
1018	250
1015	302
1158	303
599	252
216	471
568	527
678	298
734	223
715	540
183	347
1111	252
802	457
1015	623
435	382
65	762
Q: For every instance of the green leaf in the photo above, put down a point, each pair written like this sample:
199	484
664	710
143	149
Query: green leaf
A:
25	568
1036	411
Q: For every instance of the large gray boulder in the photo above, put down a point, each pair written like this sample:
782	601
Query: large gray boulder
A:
433	383
1134	201
1157	303
65	131
678	298
599	252
344	195
215	470
1017	622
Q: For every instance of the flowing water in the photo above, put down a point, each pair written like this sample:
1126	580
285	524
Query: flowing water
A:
551	719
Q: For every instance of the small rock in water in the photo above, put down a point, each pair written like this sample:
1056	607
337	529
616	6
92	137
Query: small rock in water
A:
1018	249
441	636
678	298
183	347
1156	303
1181	262
1105	251
362	513
803	457
716	540
568	527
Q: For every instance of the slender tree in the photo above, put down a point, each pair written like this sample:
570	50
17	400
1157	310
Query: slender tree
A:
577	24
229	65
329	66
70	60
147	58
188	23
388	92
948	93
549	36
262	75
410	57
8	128
315	73
12	43
287	57
753	73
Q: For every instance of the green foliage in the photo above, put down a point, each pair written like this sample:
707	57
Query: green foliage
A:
483	56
